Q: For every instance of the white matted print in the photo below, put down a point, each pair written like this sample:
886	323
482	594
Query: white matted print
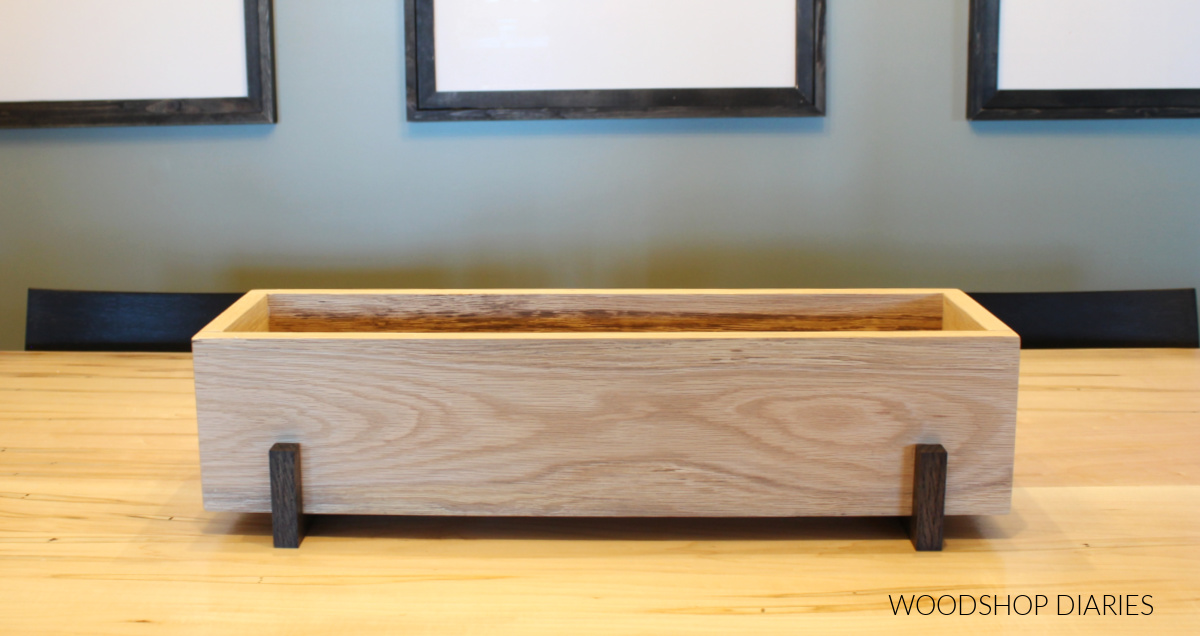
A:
1099	44
566	45
86	50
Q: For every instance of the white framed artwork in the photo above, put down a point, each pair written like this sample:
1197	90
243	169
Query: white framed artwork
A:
1080	59
542	59
135	62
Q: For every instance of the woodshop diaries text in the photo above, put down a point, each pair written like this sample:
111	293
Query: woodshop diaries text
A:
1022	605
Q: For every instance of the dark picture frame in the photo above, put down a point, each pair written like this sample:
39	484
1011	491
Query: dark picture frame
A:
258	107
985	101
426	103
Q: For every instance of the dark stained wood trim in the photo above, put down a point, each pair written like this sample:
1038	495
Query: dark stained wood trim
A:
260	43
287	500
986	102
259	107
984	55
425	103
635	100
815	34
928	522
410	60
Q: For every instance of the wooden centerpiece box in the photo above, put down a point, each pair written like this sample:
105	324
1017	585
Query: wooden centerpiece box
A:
627	403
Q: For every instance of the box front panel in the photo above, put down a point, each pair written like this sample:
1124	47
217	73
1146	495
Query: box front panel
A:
645	427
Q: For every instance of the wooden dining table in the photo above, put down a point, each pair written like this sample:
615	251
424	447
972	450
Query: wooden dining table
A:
102	531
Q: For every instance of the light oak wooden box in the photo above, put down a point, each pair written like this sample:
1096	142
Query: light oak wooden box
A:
607	402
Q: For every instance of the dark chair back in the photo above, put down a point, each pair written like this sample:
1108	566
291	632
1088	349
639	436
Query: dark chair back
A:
1079	320
118	321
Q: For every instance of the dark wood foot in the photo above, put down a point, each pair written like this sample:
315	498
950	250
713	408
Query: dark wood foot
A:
928	522
287	507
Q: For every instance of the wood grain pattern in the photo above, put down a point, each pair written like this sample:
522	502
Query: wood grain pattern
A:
1110	417
102	530
551	311
636	423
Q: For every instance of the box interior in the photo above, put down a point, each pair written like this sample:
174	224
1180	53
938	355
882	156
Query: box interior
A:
283	312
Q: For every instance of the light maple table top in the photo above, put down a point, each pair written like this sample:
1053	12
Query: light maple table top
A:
102	530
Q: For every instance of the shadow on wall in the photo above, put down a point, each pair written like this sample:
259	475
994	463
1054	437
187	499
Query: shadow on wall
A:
699	266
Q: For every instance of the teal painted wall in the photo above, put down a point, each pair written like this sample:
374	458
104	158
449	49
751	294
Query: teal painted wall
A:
893	188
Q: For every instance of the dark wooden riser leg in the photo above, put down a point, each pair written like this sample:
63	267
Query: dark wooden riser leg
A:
287	506
928	522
